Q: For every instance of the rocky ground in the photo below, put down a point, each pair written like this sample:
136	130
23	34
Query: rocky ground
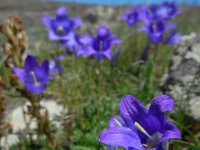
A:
182	81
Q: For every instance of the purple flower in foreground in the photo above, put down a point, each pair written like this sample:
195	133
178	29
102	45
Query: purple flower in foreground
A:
173	37
61	27
101	44
34	77
156	30
139	128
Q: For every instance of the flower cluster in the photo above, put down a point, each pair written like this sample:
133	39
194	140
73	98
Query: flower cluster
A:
155	19
139	128
61	28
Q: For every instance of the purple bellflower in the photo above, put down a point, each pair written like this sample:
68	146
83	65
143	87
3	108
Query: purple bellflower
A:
33	77
173	37
166	11
79	44
156	30
139	128
137	14
131	16
101	44
61	27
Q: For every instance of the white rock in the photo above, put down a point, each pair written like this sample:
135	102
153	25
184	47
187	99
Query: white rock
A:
188	37
194	54
8	141
194	108
19	120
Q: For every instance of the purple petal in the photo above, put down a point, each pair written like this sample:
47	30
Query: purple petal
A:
161	103
116	41
173	37
116	121
155	38
102	31
77	22
177	38
169	26
31	63
156	115
61	12
121	136
171	132
60	57
132	110
53	36
36	89
45	67
90	51
86	40
46	21
20	73
98	56
126	14
143	29
108	54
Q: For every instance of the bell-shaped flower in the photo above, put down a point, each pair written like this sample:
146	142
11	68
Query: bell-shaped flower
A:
131	16
168	10
33	76
61	27
156	30
139	128
79	44
101	45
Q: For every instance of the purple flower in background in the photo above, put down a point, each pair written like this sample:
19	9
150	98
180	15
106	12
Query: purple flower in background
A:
61	27
55	66
101	44
79	44
167	10
131	16
139	128
34	77
156	30
173	37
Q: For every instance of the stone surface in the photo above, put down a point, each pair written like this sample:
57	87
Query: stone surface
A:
183	79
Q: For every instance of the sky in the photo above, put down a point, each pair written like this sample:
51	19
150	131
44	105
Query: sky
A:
126	2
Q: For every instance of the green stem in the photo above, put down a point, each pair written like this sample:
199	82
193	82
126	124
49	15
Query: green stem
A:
194	147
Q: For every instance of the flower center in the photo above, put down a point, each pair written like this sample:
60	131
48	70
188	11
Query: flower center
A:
36	82
141	129
60	30
101	46
117	122
152	139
